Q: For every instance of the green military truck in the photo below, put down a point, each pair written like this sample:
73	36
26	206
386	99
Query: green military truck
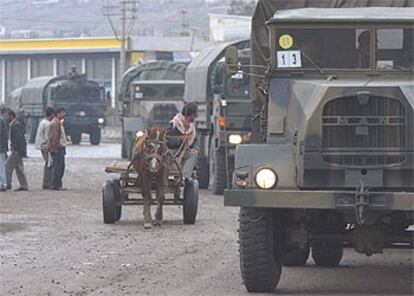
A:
333	160
82	99
224	111
151	94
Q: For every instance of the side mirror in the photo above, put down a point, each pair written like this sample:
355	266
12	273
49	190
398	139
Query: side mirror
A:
231	60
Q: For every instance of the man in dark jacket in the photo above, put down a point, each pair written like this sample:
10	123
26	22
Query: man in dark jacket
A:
4	143
181	136
18	152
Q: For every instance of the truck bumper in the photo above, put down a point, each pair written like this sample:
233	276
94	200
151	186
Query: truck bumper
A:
295	199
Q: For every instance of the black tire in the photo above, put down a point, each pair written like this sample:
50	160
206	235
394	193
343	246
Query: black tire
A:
218	170
203	174
296	258
118	205
190	201
31	129
110	213
95	136
123	150
327	253
260	249
75	137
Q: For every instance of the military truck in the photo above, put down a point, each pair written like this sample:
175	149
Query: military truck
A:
82	99
333	160
224	111
151	94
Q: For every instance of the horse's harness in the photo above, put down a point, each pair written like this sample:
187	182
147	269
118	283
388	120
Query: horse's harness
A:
154	160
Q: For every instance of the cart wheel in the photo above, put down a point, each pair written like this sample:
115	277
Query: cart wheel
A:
190	203
118	205
110	212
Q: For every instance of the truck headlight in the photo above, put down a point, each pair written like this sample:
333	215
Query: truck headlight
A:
265	178
139	134
101	120
235	139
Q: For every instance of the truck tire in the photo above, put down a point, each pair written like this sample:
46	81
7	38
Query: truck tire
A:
95	136
31	129
260	249
203	174
218	170
75	137
109	203
296	257
190	201
327	253
123	150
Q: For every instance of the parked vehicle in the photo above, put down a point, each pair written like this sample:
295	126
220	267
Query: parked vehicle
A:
150	94
332	162
224	115
82	99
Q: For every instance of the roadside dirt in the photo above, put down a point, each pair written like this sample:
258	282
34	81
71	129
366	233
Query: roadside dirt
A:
55	243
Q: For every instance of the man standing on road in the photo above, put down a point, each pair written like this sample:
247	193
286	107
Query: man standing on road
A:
4	143
56	145
18	152
42	145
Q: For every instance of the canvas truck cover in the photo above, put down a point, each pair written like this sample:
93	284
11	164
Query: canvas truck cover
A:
33	94
265	10
154	71
199	72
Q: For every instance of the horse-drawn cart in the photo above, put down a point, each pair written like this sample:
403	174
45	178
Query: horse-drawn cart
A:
125	190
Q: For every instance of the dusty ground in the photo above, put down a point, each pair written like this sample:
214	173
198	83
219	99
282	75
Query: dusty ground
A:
58	245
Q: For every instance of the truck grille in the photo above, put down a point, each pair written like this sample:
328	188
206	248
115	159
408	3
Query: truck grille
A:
161	115
380	123
365	123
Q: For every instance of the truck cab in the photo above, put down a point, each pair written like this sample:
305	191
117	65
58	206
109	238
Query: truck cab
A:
151	94
336	166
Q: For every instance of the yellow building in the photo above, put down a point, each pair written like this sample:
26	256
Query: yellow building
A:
21	60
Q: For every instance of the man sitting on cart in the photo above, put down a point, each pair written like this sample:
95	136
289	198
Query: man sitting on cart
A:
181	138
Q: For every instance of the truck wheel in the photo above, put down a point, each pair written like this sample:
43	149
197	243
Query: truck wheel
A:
327	253
218	170
75	137
110	212
190	203
95	136
31	129
260	249
296	257
123	150
203	174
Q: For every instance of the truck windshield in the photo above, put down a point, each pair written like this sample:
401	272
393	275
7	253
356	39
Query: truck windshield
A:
395	49
343	48
238	85
158	92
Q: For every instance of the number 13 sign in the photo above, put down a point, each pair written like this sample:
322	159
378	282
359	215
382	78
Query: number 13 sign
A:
289	59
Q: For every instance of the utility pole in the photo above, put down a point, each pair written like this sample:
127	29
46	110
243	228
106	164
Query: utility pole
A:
126	13
123	37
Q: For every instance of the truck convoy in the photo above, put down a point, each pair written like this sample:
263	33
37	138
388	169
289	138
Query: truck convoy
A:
82	99
224	111
332	158
150	94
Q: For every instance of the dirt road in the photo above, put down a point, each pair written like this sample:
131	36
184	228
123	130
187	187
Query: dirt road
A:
57	244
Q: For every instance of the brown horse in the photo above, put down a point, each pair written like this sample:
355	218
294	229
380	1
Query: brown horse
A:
151	160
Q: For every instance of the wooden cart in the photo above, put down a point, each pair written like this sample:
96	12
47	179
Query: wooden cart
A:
125	190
